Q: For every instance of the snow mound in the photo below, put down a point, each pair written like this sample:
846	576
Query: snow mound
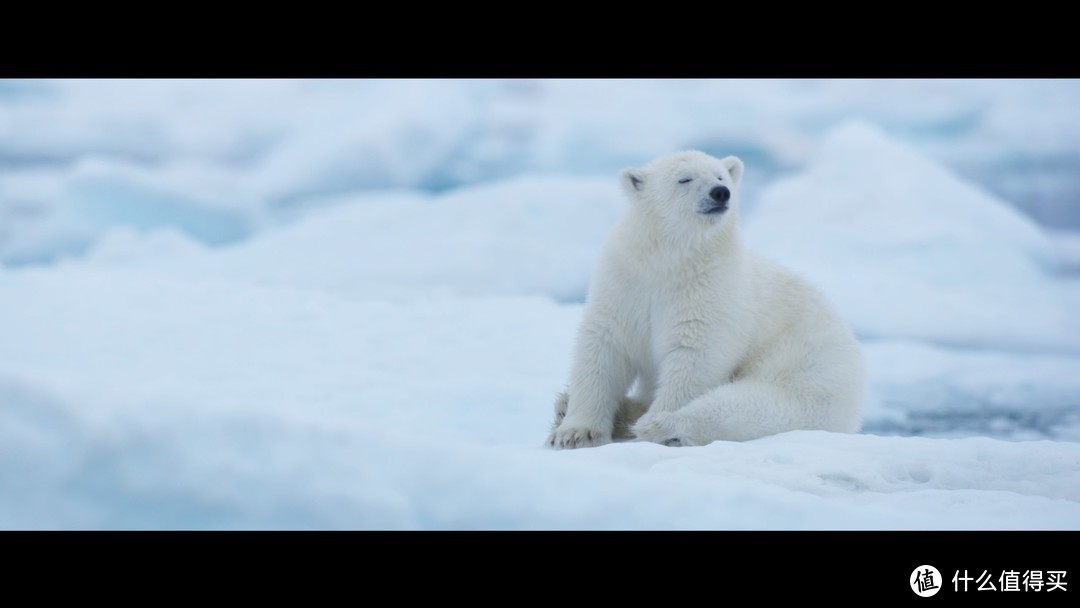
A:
524	236
906	249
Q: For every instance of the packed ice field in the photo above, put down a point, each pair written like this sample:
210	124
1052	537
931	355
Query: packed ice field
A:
350	304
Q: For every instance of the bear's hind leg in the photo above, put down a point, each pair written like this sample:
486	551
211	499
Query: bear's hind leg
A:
741	411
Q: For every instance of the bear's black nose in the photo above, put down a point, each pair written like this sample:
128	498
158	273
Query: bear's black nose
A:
720	194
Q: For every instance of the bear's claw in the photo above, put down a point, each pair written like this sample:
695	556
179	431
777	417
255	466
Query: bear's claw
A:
659	428
577	437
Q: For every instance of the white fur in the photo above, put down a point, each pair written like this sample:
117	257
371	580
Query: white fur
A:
718	342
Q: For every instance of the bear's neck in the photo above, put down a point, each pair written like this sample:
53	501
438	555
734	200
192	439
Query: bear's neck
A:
715	245
723	238
721	246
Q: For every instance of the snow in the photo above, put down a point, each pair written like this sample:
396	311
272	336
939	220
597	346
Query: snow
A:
532	235
327	305
248	151
924	390
906	249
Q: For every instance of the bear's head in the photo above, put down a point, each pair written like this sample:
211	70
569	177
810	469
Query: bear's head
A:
686	192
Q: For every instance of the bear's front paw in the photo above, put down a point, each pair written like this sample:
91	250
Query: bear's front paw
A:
569	437
660	427
562	402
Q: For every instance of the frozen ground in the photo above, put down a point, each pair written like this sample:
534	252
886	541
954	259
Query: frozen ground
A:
228	325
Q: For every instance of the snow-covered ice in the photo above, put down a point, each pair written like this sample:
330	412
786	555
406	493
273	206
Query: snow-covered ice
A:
221	313
242	153
906	249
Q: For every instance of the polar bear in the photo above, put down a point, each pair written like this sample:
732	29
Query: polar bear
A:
717	342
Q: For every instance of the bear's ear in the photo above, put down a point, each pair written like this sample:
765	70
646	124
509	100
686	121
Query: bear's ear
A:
734	167
632	180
